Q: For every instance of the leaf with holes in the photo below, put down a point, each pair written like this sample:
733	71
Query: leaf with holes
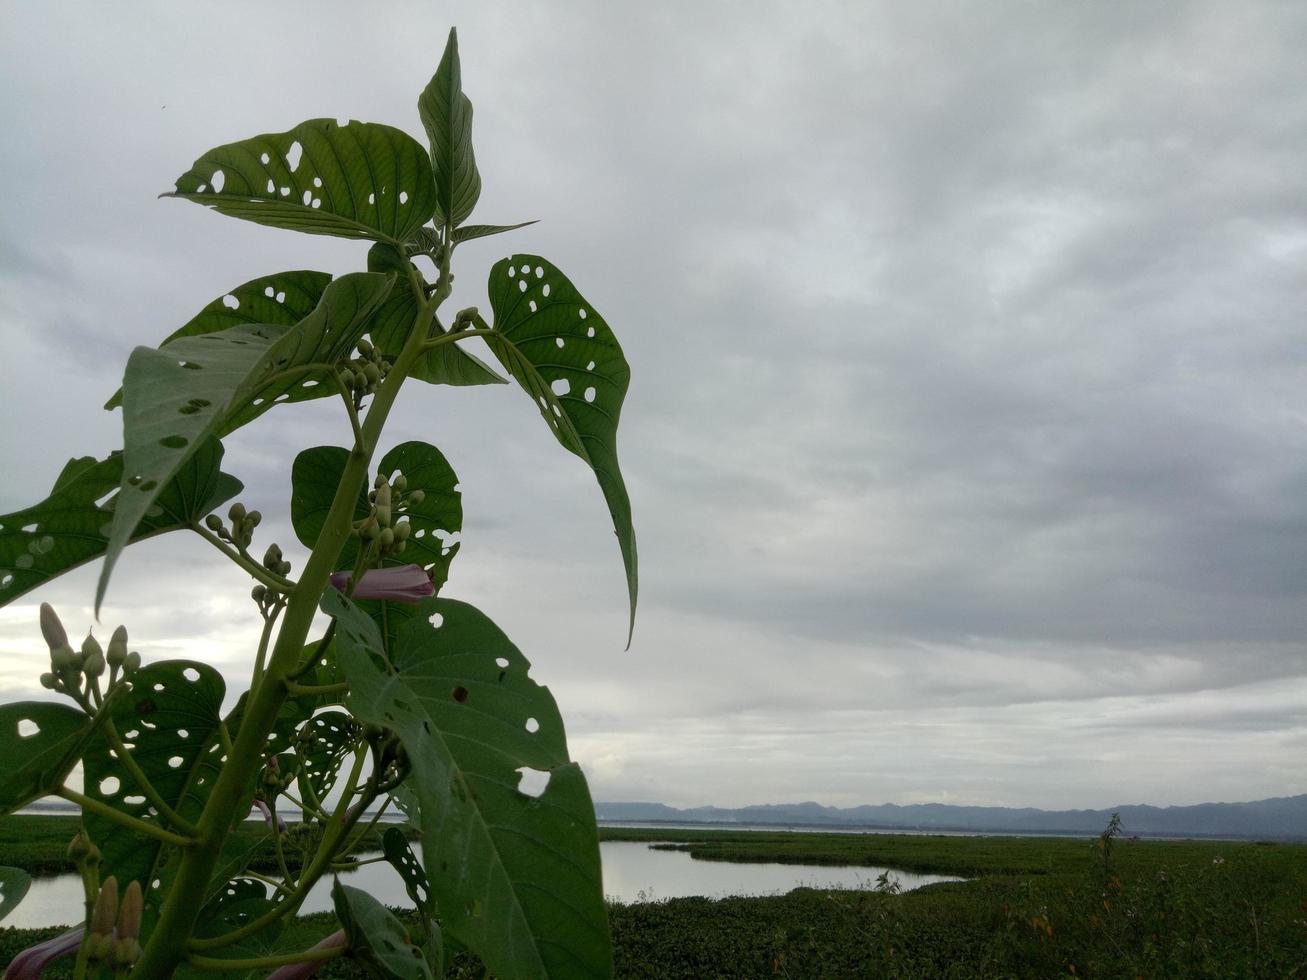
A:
394	845
469	232
361	180
515	877
333	734
197	387
169	724
283	298
376	937
317	471
40	742
562	352
14	883
71	527
447	364
447	117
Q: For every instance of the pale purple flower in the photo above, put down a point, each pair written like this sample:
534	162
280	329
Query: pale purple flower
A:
31	962
301	971
267	816
405	583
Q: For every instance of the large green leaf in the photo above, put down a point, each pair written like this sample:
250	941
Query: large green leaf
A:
447	364
197	387
316	473
469	232
169	724
14	883
447	117
283	297
361	180
516	877
562	352
40	742
71	527
333	734
376	937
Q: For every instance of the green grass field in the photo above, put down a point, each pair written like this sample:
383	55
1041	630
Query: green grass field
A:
1033	907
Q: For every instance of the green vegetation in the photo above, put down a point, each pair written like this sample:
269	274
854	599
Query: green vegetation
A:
1033	907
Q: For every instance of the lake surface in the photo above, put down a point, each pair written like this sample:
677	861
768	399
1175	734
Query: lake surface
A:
633	872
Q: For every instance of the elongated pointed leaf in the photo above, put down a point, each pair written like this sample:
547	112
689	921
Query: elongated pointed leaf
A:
285	298
169	724
316	473
515	877
469	232
14	883
70	527
197	387
376	937
447	364
565	356
40	742
447	117
361	180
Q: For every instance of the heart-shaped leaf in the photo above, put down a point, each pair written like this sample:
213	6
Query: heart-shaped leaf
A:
561	351
40	742
169	724
197	387
361	180
316	473
376	937
283	298
515	876
71	527
320	757
447	117
14	883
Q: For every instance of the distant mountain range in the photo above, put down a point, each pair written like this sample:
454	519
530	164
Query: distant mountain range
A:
1282	818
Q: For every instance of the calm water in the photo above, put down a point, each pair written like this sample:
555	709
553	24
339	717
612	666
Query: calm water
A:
632	872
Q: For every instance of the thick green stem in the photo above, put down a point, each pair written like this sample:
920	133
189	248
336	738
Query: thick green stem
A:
167	945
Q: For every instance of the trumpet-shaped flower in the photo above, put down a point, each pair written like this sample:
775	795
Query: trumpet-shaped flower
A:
31	962
300	971
405	583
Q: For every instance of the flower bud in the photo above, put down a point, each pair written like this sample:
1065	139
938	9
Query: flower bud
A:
383	504
51	628
129	915
372	373
94	665
91	647
254	518
213	522
49	681
237	512
402	531
416	497
79	848
126	952
347	377
386	539
370	529
365	347
399	547
117	647
283	568
63	659
259	593
132	664
400	483
106	908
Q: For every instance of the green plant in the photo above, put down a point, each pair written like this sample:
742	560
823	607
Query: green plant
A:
408	699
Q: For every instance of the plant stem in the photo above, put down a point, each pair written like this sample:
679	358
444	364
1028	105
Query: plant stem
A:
259	962
166	947
247	564
126	819
295	689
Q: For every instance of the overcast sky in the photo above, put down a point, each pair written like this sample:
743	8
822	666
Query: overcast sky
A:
967	435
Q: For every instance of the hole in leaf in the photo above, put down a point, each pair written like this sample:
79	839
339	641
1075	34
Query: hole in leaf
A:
512	271
109	785
521	285
285	192
27	728
582	312
183	733
133	800
459	694
317	181
560	343
272	186
532	305
532	725
281	297
6	579
544	290
269	290
175	762
217	180
533	782
539	272
293	156
590	394
372	198
403	197
590	366
501	663
174	442
561	386
590	332
231	302
306	198
436	620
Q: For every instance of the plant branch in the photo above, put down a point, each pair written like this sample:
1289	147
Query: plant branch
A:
260	962
139	777
294	689
248	564
126	819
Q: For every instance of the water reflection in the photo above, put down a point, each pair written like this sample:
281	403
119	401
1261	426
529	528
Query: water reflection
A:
633	872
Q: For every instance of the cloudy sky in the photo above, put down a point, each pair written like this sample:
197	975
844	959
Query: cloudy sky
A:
967	436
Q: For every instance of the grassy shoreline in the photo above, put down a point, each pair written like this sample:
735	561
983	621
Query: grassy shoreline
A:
1031	907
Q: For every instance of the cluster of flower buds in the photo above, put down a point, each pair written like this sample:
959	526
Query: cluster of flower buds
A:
364	373
390	499
243	524
68	667
464	319
273	781
389	757
114	936
86	857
